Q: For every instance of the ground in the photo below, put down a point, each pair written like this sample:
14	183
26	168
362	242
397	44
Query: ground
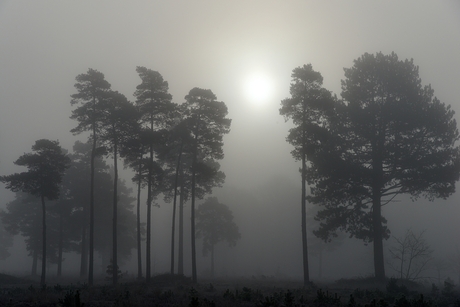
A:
174	290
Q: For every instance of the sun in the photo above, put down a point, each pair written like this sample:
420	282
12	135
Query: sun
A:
258	88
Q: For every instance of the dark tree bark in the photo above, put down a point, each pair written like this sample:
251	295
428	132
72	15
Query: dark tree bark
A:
138	215
192	232
149	214
91	211
43	277
180	265
306	274
173	227
115	216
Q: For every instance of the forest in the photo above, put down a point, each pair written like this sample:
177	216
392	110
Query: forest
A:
386	136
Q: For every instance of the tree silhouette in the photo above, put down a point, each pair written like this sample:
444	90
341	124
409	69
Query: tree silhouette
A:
103	196
389	136
155	107
306	107
136	149
411	253
175	155
215	224
118	124
91	88
45	171
207	122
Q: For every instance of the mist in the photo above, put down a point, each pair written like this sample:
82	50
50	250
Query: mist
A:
216	45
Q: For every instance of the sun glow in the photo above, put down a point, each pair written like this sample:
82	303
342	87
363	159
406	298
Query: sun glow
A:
258	88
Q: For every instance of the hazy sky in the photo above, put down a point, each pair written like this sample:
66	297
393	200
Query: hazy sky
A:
44	45
210	44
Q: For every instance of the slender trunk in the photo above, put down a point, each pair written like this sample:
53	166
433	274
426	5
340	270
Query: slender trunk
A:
173	230
379	265
212	261
61	238
84	252
149	213
192	233
34	262
180	265
377	167
306	276
139	251
91	211
115	217
43	277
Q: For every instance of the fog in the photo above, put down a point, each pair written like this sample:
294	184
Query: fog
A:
216	45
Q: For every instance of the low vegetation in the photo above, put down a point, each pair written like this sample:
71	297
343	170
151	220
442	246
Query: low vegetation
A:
177	290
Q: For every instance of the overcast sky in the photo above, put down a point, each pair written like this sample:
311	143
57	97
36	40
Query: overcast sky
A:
44	45
218	45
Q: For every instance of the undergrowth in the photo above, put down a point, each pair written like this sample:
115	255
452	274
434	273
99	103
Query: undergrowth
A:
179	291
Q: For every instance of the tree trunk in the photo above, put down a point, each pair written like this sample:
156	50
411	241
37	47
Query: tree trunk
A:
139	251
149	213
173	227
115	217
43	277
91	211
377	183
180	265
192	233
379	264
306	276
59	267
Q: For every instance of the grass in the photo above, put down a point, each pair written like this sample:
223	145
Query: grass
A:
175	290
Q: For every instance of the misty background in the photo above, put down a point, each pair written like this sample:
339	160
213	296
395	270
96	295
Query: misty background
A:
216	45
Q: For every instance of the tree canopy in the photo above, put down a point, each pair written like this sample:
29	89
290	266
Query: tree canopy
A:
45	171
207	122
46	167
307	108
91	89
389	136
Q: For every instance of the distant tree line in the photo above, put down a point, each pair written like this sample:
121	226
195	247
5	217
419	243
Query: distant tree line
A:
172	148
